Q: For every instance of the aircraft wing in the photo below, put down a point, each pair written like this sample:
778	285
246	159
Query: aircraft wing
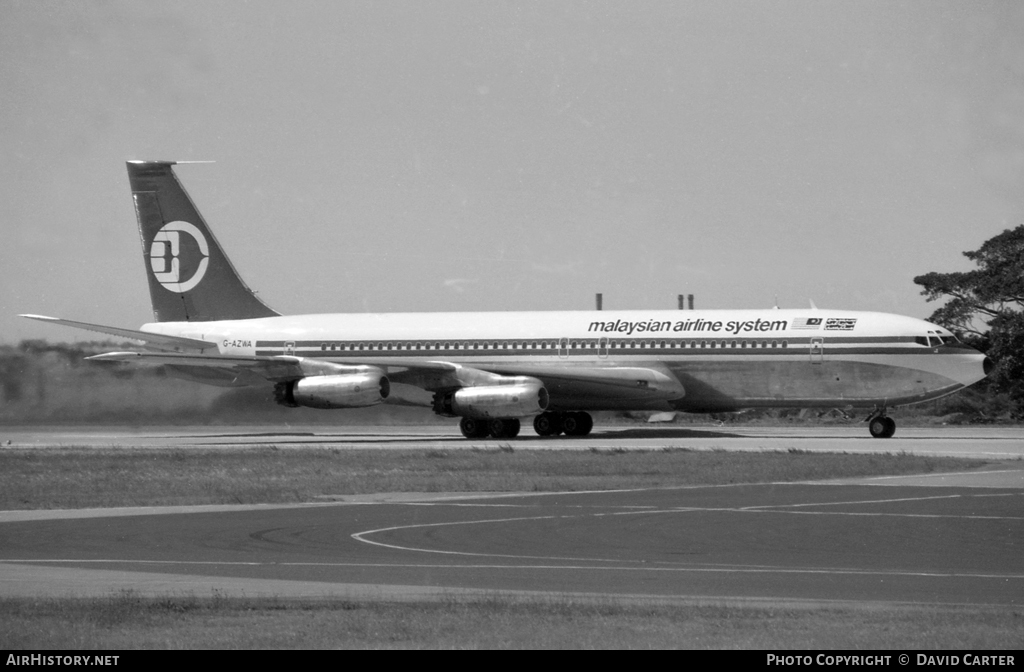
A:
613	382
189	358
156	341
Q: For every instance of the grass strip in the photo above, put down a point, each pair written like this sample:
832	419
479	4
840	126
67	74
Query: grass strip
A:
127	621
79	477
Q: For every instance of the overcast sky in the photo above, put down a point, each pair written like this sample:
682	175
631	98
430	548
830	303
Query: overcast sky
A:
428	156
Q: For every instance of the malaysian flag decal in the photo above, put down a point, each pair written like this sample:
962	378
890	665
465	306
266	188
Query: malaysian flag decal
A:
807	323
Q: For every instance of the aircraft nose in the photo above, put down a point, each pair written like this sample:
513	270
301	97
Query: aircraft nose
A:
968	366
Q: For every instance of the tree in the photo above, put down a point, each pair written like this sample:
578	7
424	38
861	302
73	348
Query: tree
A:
986	306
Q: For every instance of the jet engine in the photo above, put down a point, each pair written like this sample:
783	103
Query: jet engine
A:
348	390
521	396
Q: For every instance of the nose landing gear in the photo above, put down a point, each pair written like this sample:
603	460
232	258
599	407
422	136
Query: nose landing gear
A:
880	425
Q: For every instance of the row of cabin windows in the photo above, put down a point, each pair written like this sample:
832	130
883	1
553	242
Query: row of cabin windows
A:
546	345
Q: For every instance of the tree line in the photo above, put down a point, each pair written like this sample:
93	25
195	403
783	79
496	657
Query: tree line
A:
985	308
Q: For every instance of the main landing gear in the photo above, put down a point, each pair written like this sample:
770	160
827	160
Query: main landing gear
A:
572	424
880	425
546	424
498	428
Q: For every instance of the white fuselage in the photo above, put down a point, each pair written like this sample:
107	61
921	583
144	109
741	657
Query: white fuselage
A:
700	361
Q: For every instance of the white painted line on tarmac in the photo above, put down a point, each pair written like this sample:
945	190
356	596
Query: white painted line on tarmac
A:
862	501
736	569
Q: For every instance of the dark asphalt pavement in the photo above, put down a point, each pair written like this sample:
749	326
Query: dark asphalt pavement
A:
776	541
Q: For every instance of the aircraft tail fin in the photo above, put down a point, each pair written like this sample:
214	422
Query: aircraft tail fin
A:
190	277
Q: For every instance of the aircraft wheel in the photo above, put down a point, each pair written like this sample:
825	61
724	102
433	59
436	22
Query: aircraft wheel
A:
473	428
577	424
547	424
882	427
586	423
570	424
507	428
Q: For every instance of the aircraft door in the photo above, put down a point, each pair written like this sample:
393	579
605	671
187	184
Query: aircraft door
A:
602	348
563	347
289	347
817	350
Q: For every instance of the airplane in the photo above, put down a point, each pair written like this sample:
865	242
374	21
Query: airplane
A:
490	369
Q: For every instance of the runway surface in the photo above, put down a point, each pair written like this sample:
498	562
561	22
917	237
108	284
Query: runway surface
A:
939	539
997	443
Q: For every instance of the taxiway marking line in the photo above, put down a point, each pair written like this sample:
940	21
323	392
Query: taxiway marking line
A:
762	509
576	567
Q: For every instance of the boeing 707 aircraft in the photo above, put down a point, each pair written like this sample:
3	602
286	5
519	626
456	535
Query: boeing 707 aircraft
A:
492	369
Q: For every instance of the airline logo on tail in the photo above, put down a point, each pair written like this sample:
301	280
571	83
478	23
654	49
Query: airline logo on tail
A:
179	256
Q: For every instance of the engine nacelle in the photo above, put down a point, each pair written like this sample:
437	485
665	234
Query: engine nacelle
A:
348	390
521	396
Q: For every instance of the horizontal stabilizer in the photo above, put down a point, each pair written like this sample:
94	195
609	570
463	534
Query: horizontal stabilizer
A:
156	341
